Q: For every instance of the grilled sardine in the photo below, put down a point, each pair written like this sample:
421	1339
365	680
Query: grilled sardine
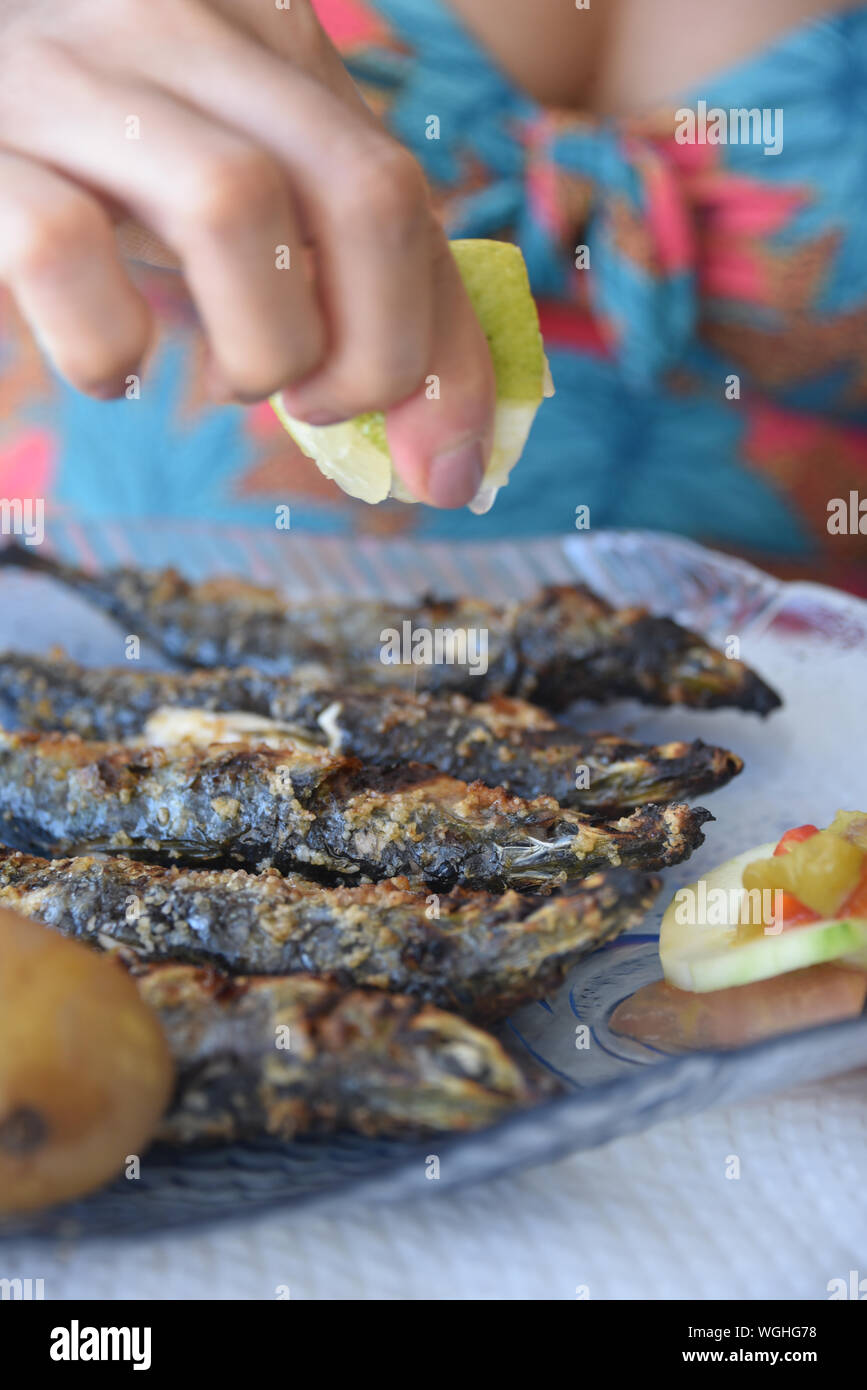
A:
478	955
565	644
291	808
502	742
294	1055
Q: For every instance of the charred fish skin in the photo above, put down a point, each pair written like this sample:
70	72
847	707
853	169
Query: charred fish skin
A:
474	954
209	624
565	644
573	645
113	703
445	832
502	742
286	1056
237	804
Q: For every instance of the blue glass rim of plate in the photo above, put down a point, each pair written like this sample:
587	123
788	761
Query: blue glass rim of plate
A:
798	767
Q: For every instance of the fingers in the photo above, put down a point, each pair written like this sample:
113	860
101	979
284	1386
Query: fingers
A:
395	306
364	207
377	286
400	324
59	258
304	231
218	200
440	438
295	34
241	253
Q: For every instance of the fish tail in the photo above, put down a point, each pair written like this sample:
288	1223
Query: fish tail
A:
15	555
756	695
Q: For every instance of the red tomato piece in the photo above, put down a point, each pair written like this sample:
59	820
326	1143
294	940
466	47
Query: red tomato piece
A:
794	837
794	913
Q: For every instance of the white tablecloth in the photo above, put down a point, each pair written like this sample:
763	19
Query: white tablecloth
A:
652	1216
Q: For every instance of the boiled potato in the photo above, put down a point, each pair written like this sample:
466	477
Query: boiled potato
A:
85	1071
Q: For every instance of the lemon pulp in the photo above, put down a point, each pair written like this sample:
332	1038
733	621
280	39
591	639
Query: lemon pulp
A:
355	452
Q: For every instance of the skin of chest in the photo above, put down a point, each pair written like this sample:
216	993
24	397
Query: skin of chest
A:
620	57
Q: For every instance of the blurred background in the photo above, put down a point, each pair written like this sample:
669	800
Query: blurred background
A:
704	305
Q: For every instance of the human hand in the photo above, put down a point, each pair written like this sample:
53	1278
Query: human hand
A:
229	129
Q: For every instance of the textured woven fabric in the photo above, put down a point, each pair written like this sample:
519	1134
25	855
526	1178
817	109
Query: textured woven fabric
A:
649	1217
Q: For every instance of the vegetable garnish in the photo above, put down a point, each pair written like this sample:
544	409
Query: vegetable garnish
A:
771	942
794	837
778	908
820	870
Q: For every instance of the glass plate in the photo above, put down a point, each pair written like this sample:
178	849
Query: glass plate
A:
801	765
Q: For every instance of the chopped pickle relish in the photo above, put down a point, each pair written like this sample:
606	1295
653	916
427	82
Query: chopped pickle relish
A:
820	869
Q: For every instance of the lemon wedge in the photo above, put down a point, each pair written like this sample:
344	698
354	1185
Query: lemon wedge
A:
355	452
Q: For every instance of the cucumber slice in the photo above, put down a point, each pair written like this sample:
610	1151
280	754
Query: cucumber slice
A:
701	956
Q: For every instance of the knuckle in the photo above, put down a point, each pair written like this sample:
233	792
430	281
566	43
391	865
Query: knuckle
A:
34	65
256	386
98	365
277	367
387	192
37	54
52	237
377	384
306	358
101	388
235	189
94	373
